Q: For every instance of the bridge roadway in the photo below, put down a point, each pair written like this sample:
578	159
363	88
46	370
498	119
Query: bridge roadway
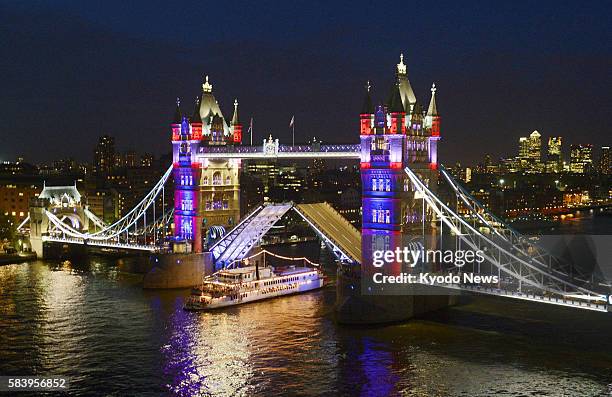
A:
236	244
337	232
333	226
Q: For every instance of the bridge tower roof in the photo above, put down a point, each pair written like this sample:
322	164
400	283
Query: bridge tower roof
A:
395	104
406	92
56	194
209	107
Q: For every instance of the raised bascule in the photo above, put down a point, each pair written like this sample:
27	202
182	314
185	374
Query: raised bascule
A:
400	175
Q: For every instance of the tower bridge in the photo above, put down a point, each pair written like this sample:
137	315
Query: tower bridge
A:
399	173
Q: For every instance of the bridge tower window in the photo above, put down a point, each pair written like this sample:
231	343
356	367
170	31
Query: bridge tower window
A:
374	181
217	178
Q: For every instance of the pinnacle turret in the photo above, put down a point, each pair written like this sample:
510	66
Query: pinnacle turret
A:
433	109
235	119
177	113
206	86
367	107
401	66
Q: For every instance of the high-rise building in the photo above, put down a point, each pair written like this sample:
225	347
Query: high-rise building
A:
104	155
554	146
535	152
581	158
522	159
530	152
605	161
554	161
535	147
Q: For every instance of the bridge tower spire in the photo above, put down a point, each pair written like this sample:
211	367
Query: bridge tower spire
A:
432	122
366	116
196	121
236	125
175	125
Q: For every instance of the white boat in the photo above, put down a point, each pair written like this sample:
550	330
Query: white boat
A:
231	287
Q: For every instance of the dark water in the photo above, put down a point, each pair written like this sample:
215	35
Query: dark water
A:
99	327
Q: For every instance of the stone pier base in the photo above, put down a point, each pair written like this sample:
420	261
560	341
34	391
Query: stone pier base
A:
178	270
354	308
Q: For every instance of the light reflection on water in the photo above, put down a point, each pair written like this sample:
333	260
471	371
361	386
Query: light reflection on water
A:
96	325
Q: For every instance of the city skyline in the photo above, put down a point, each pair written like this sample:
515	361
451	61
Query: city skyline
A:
514	86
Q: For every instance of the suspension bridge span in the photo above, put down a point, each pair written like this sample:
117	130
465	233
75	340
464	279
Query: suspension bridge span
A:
526	270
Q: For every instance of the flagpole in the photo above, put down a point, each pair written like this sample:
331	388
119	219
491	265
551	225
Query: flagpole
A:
293	134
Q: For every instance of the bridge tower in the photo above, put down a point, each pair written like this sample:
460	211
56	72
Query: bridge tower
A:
65	203
393	136
185	174
219	184
207	193
383	158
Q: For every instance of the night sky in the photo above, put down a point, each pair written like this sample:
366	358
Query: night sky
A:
72	71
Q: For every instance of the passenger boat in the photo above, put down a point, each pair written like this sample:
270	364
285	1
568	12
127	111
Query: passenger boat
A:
231	287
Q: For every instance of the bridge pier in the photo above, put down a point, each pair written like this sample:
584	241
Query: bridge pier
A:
178	270
353	307
39	225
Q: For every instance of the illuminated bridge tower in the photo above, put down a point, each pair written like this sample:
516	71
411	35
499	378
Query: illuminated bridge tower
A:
393	136
207	193
383	157
219	184
186	175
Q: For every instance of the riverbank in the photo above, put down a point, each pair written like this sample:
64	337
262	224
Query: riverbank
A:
7	259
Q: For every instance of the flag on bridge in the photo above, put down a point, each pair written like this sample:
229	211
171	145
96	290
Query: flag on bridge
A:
292	120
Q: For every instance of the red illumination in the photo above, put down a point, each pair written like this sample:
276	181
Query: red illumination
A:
196	131
365	165
433	166
396	165
176	132
435	126
397	123
196	165
366	124
237	134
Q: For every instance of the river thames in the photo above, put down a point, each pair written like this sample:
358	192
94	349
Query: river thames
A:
96	325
